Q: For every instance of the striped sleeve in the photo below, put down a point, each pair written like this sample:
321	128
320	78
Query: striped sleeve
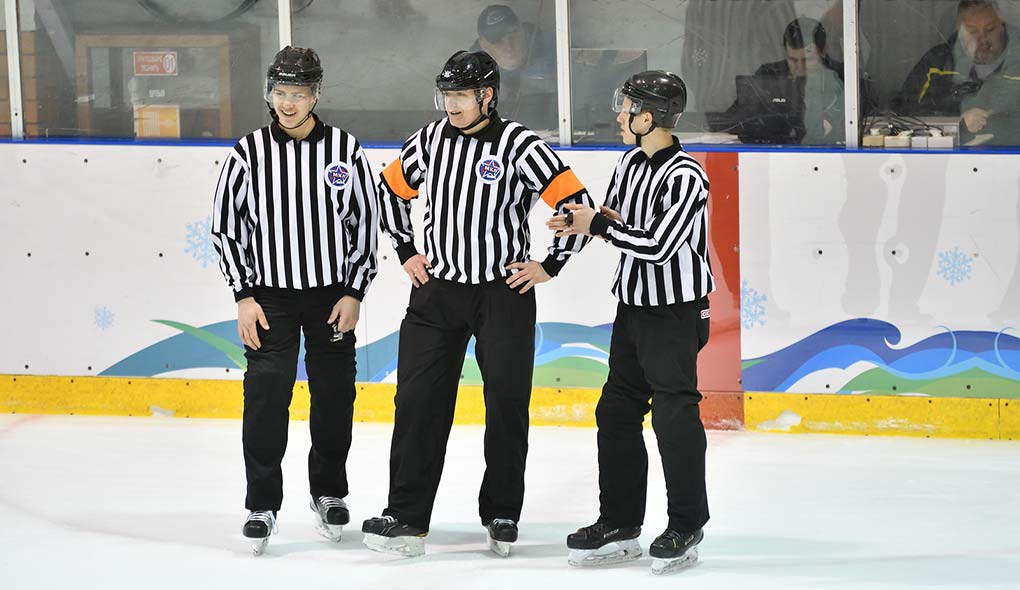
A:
613	200
230	223
544	172
398	185
685	197
362	226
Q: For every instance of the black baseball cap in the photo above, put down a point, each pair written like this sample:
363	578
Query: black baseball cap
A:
496	21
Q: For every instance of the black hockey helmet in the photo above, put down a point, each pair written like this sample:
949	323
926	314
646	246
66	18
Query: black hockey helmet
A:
661	93
470	70
295	66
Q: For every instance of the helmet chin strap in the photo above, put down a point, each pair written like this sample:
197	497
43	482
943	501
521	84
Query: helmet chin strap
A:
476	121
638	136
296	126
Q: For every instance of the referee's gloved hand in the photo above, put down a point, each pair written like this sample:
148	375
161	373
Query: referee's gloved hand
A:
417	267
345	314
248	313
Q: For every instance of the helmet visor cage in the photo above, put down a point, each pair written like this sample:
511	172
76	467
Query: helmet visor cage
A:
457	100
618	103
298	94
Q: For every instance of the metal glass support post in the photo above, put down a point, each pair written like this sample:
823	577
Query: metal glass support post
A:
14	68
283	10
852	73
563	71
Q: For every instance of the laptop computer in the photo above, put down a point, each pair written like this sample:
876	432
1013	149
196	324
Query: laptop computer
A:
769	109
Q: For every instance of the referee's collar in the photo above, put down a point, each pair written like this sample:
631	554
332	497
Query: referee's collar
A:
318	132
491	132
662	156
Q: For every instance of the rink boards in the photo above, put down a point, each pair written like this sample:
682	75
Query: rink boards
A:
858	293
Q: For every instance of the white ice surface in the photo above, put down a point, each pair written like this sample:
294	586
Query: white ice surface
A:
152	503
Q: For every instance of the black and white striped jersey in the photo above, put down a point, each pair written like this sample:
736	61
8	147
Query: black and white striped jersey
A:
296	214
478	190
664	234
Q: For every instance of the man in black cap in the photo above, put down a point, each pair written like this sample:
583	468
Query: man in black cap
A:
527	66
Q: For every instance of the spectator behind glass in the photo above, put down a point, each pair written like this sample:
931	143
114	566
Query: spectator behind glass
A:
527	66
819	78
974	75
725	39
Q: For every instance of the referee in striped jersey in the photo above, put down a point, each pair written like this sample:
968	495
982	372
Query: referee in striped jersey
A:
656	214
479	176
295	223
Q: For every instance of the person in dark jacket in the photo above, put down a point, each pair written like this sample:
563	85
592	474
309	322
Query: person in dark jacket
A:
527	66
975	74
819	83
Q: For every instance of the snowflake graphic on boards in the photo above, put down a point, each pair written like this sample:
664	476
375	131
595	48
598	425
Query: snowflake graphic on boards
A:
954	266
752	307
200	242
103	318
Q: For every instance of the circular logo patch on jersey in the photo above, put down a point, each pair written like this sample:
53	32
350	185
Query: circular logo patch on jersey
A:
337	175
489	170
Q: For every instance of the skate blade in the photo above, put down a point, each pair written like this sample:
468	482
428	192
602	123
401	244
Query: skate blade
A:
500	548
333	532
258	546
664	566
402	546
608	554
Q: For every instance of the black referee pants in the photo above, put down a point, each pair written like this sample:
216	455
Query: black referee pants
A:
441	317
269	385
653	359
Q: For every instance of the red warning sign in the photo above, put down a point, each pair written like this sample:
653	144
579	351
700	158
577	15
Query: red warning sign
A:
155	63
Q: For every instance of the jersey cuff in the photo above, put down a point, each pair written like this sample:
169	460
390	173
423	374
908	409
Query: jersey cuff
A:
599	225
406	252
552	266
244	293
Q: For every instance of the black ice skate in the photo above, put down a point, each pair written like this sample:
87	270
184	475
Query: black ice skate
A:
502	533
386	534
331	514
672	551
258	527
601	544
